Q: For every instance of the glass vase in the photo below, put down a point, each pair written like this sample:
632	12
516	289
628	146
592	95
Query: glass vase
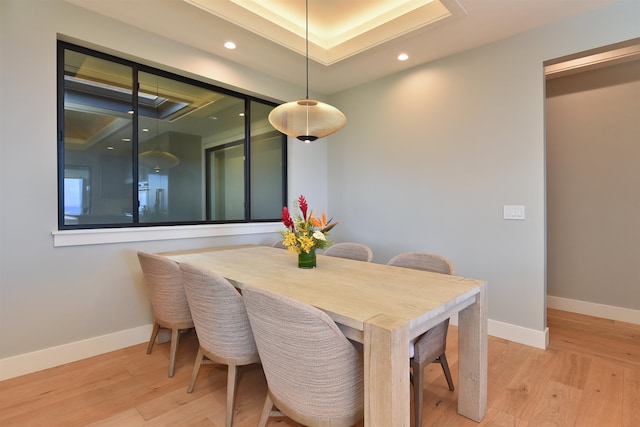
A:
307	260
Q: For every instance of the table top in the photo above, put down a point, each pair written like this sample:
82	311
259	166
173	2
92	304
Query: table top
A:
351	292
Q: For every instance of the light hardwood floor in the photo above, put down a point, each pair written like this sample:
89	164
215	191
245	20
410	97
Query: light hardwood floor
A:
589	376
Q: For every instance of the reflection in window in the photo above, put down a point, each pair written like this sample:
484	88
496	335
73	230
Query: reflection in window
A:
225	185
97	135
268	165
77	190
186	137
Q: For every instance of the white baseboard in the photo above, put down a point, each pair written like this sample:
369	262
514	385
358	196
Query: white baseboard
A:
526	336
621	314
22	364
515	333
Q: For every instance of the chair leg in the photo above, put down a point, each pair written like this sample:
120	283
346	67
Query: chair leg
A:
266	411
232	387
418	392
175	338
196	369
154	336
445	367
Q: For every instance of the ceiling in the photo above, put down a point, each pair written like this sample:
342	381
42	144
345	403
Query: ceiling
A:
350	41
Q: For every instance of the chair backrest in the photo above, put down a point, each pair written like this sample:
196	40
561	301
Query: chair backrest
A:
219	315
423	261
164	281
280	245
356	251
313	372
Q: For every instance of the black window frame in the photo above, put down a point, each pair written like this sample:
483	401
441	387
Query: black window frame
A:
62	46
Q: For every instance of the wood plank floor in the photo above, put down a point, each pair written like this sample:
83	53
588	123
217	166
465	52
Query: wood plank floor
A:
589	376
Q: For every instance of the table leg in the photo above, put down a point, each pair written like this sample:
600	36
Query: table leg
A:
386	372
472	358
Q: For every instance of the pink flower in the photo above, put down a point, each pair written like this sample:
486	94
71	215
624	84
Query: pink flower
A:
303	206
286	218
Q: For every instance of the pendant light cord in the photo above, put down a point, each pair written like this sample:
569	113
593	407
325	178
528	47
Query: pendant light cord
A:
307	41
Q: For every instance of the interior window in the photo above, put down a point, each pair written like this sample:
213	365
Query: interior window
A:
194	153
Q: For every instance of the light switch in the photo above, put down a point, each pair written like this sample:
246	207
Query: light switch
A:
513	212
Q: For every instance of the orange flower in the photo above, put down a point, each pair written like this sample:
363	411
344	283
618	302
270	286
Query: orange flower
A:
319	223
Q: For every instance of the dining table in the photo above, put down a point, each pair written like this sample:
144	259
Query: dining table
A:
383	307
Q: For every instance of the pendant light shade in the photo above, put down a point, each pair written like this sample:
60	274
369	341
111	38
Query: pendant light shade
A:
158	160
307	119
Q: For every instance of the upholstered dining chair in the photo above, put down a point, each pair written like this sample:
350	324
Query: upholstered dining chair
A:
280	245
429	347
168	300
314	374
222	326
356	251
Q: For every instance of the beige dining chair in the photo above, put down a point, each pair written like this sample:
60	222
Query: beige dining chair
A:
429	347
314	374
280	245
222	326
168	300
356	251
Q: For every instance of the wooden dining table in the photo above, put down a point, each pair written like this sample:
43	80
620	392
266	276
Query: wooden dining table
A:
383	307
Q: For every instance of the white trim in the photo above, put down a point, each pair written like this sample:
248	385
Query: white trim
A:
141	234
519	334
515	333
22	364
611	312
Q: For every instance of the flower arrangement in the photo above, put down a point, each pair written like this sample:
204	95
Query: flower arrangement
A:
305	231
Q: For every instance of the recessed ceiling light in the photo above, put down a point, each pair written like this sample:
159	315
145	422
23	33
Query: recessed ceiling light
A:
145	130
126	139
241	114
403	57
109	148
230	45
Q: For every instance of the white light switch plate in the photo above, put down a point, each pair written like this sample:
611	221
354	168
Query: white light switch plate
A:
513	212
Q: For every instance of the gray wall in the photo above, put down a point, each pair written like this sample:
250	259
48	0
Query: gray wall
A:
430	156
593	181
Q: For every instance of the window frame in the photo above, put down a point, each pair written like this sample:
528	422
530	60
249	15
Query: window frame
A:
137	68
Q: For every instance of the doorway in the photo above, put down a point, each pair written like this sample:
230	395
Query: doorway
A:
593	182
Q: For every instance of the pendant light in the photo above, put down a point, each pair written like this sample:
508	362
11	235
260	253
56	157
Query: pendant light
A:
157	159
307	119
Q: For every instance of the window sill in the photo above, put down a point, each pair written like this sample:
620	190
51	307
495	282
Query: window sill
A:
123	235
